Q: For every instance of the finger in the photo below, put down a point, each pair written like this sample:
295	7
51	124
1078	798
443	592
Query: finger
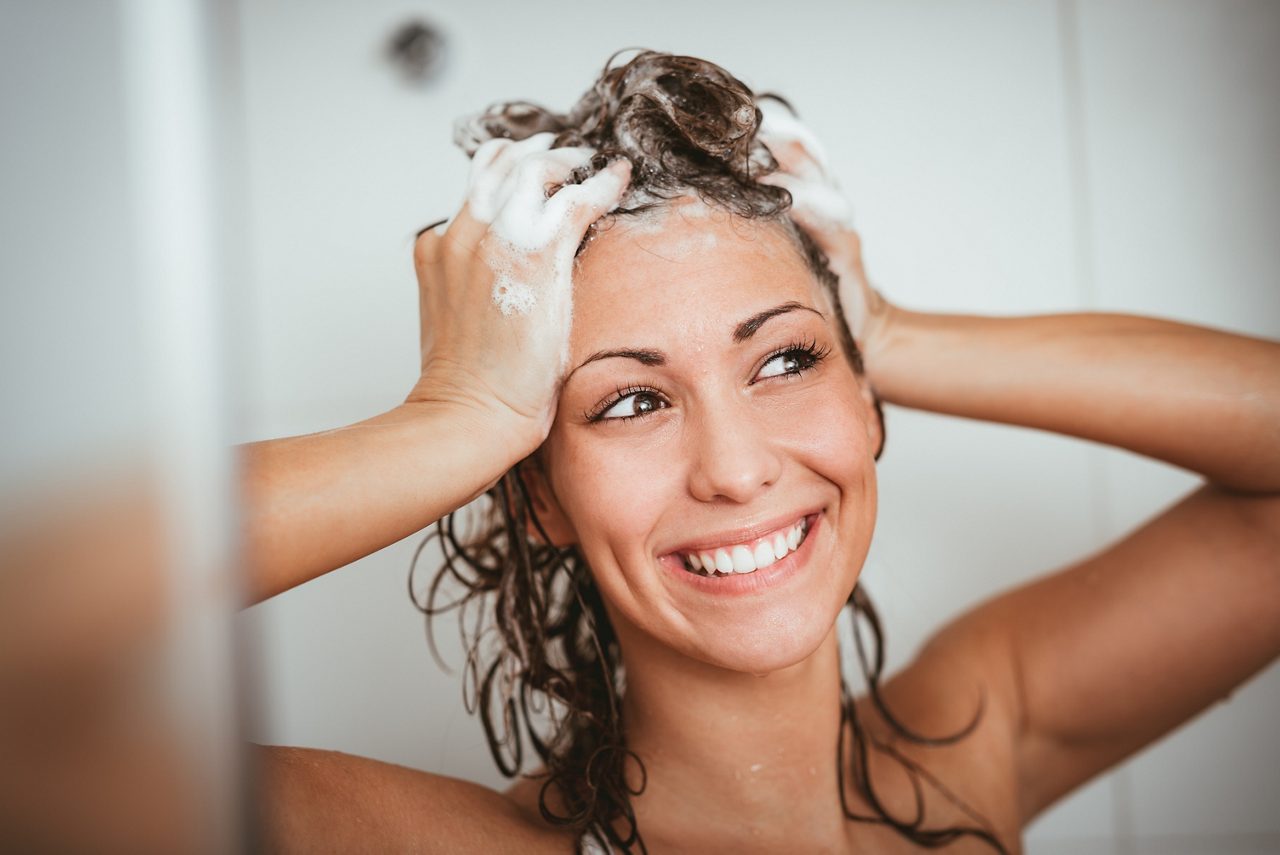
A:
818	206
792	143
463	229
537	172
439	225
487	153
518	150
580	205
484	181
520	216
489	183
426	248
523	222
794	159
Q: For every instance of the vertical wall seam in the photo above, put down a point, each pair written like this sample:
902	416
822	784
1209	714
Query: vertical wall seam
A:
1081	200
1080	195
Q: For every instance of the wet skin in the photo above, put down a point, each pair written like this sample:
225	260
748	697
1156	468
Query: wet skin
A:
727	437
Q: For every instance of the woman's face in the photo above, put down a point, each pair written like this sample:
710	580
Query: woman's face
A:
710	415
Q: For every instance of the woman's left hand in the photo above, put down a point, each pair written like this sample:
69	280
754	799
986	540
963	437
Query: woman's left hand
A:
820	208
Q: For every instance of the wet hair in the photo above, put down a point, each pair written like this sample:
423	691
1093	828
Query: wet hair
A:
544	666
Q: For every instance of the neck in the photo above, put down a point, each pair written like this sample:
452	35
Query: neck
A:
736	753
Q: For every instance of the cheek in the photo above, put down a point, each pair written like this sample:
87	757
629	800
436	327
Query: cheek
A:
830	429
612	489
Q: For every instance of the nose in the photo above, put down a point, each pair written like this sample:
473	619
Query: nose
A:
734	456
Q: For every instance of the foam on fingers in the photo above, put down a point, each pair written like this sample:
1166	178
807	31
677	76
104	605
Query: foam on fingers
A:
816	204
530	239
593	198
779	128
489	185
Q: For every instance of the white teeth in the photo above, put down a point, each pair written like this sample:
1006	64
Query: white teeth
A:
764	555
743	560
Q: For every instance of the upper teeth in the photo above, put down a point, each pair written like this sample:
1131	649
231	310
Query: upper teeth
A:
748	557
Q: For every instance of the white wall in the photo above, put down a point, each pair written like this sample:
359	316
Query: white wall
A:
1007	158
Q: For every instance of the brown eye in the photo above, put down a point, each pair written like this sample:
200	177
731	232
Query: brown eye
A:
793	361
639	403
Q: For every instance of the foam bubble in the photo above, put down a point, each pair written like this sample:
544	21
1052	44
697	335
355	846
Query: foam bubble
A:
513	297
818	201
779	126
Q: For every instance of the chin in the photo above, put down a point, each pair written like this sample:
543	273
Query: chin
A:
774	639
775	643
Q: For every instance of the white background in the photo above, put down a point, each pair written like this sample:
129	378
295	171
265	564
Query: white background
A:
1002	157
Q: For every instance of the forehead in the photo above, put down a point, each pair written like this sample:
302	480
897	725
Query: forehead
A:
683	270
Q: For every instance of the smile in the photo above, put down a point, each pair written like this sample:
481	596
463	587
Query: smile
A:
757	554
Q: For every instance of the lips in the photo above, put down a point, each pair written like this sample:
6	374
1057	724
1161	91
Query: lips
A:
746	555
771	578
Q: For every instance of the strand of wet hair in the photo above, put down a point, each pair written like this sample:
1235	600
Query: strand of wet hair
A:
861	606
874	670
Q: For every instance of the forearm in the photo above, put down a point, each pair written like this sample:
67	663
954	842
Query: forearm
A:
314	503
1200	399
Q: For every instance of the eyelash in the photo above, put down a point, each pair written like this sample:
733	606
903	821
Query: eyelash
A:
810	354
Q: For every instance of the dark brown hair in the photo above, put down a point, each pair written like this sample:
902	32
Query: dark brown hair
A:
544	667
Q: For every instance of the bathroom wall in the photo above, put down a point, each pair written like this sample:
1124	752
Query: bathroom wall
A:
1005	158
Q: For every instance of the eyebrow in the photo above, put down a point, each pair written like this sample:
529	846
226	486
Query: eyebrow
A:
751	325
643	356
741	333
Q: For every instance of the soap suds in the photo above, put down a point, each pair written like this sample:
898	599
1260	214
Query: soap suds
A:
804	173
513	298
818	202
531	239
779	125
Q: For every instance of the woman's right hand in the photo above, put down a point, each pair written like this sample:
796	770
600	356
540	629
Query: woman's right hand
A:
496	297
495	287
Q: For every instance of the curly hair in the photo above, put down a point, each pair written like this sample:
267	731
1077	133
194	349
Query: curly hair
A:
544	666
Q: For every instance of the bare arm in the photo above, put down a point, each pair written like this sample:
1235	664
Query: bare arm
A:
490	374
314	503
325	801
1111	653
1200	399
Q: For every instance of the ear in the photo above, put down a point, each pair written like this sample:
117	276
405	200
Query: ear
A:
545	506
875	422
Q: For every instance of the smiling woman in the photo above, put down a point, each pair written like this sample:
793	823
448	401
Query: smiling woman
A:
649	339
683	502
703	322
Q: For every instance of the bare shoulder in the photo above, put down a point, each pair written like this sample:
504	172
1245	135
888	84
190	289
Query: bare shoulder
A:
314	800
956	697
1082	667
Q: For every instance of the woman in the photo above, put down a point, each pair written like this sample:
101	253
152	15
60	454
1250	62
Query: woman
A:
640	348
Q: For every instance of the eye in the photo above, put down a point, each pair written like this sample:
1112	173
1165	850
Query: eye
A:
793	360
631	403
